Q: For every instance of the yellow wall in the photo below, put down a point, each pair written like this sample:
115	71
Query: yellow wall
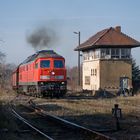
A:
112	70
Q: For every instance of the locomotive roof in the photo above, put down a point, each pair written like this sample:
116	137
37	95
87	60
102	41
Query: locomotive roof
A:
41	54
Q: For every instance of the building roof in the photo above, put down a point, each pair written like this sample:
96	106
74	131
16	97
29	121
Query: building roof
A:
109	38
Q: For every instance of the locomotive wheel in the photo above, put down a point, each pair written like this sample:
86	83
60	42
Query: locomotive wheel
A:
39	94
57	96
51	95
34	91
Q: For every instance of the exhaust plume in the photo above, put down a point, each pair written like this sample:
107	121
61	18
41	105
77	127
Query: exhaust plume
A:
41	38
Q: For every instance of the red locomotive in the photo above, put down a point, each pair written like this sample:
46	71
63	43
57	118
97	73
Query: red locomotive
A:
41	74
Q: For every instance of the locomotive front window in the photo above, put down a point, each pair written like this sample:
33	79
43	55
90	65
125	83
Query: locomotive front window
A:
58	64
45	64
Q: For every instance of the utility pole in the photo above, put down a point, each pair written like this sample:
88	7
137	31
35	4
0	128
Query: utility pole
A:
79	71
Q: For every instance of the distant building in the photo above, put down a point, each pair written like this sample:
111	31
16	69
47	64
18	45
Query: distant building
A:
107	60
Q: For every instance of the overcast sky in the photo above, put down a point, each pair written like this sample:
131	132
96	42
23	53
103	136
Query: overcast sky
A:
18	18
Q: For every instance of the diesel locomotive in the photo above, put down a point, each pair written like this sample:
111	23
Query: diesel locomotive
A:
41	74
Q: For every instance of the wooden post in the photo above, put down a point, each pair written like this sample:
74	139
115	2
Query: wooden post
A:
117	114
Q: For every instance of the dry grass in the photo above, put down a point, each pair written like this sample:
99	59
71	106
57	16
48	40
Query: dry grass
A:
128	105
96	113
6	95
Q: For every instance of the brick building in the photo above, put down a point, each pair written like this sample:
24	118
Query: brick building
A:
107	60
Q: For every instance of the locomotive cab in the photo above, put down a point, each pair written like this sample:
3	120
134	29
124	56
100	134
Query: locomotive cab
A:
52	80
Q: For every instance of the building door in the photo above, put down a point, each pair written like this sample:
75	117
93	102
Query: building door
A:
123	83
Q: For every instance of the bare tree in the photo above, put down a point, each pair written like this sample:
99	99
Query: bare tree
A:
5	72
72	78
135	77
2	58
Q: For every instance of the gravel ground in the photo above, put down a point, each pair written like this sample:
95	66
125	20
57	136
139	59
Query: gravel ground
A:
10	127
93	113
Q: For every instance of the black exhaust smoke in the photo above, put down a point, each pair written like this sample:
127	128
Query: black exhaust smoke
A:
42	38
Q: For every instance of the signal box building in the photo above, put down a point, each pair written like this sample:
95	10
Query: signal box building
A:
107	63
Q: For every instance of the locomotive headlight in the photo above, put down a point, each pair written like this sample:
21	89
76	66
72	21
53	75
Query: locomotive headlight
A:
41	83
53	73
62	83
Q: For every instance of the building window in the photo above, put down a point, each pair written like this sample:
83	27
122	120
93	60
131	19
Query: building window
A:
103	53
128	53
107	51
97	53
92	72
93	54
87	80
85	56
125	53
95	73
90	54
115	53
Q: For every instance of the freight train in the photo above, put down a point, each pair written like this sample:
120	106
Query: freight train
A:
41	74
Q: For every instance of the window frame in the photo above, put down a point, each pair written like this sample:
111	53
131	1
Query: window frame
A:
116	53
63	65
44	61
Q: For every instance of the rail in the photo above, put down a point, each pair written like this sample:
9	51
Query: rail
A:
71	124
31	126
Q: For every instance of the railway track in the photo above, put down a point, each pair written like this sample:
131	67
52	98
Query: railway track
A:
30	125
53	127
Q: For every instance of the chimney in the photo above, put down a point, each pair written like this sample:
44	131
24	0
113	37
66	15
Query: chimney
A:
118	29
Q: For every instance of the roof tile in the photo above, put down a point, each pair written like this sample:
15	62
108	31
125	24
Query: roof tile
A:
109	37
